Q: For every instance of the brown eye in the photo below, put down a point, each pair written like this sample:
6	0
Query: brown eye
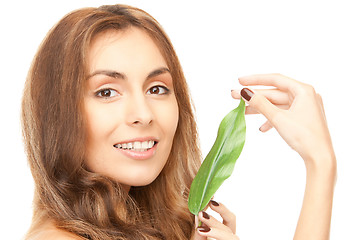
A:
106	93
159	90
154	90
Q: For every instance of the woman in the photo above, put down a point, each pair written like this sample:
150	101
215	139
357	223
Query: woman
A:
112	142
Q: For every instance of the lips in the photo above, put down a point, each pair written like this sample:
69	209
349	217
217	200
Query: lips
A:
139	146
138	149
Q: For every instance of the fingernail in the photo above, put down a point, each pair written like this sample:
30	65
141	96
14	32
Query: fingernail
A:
216	204
205	215
246	93
204	229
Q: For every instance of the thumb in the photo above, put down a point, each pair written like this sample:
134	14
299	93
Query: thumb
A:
260	104
196	235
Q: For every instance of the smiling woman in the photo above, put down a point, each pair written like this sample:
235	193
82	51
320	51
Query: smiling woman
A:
112	143
131	110
104	133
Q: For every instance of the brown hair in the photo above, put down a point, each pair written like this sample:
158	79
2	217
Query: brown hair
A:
76	200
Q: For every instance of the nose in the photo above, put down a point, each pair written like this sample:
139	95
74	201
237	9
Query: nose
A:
139	112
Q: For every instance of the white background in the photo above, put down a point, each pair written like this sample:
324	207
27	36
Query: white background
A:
310	40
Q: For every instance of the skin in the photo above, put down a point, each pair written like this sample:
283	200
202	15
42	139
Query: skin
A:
48	230
129	97
129	111
296	111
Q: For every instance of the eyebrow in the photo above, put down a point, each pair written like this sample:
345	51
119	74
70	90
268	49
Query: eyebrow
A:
118	75
158	72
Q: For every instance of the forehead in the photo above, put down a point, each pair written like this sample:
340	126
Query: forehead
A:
123	48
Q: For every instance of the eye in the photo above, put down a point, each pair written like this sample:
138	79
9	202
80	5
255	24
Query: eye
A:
106	93
159	90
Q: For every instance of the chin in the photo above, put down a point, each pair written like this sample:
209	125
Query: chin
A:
139	180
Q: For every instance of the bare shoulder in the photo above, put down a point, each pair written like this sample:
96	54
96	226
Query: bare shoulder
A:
49	231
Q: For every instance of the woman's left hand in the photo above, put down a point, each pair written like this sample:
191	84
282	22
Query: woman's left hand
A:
214	229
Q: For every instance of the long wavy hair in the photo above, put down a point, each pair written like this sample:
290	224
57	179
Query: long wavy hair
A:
88	204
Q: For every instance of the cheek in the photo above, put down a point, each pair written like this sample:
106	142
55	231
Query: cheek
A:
99	126
101	120
95	125
169	117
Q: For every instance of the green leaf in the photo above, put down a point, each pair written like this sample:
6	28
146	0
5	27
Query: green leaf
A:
220	161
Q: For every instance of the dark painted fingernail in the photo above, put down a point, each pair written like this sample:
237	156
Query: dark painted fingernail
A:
214	203
246	93
204	229
205	215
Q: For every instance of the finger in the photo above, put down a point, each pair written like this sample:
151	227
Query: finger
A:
261	104
217	234
196	221
278	98
229	218
275	96
250	110
197	236
266	127
276	80
212	222
236	94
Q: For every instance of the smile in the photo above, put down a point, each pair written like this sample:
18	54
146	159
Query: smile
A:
137	145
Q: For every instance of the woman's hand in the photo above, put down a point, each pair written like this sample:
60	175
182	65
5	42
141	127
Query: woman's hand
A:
212	228
296	111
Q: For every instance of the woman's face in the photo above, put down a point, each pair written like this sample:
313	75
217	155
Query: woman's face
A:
130	106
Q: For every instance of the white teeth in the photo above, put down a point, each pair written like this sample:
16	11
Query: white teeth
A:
144	145
151	144
136	146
